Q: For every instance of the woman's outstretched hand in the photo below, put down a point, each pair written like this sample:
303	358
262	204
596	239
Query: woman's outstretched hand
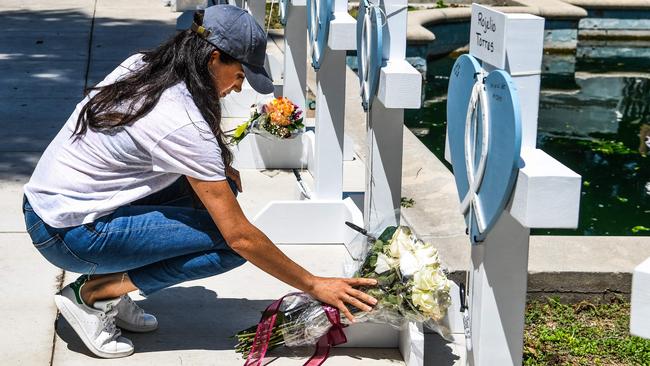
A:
340	291
249	242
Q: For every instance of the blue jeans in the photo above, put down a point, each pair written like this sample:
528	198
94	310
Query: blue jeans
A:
160	240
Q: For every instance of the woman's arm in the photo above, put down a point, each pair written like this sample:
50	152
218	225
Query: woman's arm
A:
249	242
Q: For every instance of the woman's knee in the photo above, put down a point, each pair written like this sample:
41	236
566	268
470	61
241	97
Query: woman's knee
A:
223	261
233	260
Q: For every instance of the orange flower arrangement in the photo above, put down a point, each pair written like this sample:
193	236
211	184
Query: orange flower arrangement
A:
280	111
280	117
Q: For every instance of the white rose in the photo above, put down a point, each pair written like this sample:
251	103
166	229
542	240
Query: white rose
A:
429	279
433	306
393	249
424	301
426	254
408	263
404	239
384	263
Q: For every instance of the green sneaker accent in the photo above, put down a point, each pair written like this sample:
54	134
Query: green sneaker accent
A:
76	288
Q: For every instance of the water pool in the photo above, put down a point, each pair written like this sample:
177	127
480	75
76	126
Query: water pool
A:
591	121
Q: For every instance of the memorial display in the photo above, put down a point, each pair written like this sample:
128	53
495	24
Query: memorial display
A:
412	285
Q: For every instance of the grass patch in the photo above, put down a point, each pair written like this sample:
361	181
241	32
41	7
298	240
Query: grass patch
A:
582	334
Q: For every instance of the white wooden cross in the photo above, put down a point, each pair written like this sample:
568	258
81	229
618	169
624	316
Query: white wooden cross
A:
330	102
399	88
321	218
295	53
546	194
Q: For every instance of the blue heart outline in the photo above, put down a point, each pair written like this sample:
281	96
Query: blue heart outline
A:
504	148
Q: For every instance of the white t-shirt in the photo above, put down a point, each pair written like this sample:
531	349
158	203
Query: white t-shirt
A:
75	182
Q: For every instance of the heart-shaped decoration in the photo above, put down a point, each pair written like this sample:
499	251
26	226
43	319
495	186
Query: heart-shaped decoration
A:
284	10
369	50
484	134
319	13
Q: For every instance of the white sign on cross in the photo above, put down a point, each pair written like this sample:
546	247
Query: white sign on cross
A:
546	193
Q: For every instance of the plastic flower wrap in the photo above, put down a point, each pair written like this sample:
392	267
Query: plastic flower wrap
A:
279	118
411	285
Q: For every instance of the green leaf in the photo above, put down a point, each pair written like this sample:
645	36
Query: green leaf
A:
387	279
640	228
240	132
621	199
607	147
393	299
387	234
378	247
375	292
586	183
373	261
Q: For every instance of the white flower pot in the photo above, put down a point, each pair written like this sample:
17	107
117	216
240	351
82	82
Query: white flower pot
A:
262	152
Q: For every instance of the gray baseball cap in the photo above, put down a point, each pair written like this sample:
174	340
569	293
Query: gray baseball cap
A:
234	31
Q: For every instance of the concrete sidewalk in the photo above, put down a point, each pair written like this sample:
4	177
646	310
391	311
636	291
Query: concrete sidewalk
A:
49	52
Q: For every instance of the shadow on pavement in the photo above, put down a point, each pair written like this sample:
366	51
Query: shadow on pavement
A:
46	62
190	318
438	351
195	318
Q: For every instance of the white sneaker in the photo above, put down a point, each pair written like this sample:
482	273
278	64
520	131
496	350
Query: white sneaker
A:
95	326
131	317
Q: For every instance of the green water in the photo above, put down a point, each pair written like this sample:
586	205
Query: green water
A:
590	121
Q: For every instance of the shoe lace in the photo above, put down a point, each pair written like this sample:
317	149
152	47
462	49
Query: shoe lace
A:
108	324
133	305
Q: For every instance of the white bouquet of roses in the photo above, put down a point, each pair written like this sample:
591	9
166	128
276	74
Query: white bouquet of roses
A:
412	282
411	285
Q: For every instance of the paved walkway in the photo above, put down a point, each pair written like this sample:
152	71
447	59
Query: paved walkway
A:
49	52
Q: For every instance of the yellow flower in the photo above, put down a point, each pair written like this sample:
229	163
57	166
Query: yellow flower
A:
241	129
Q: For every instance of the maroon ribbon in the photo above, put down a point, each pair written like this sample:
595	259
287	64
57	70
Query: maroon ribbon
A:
264	332
333	337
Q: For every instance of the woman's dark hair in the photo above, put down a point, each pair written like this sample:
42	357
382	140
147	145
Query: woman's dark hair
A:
183	58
